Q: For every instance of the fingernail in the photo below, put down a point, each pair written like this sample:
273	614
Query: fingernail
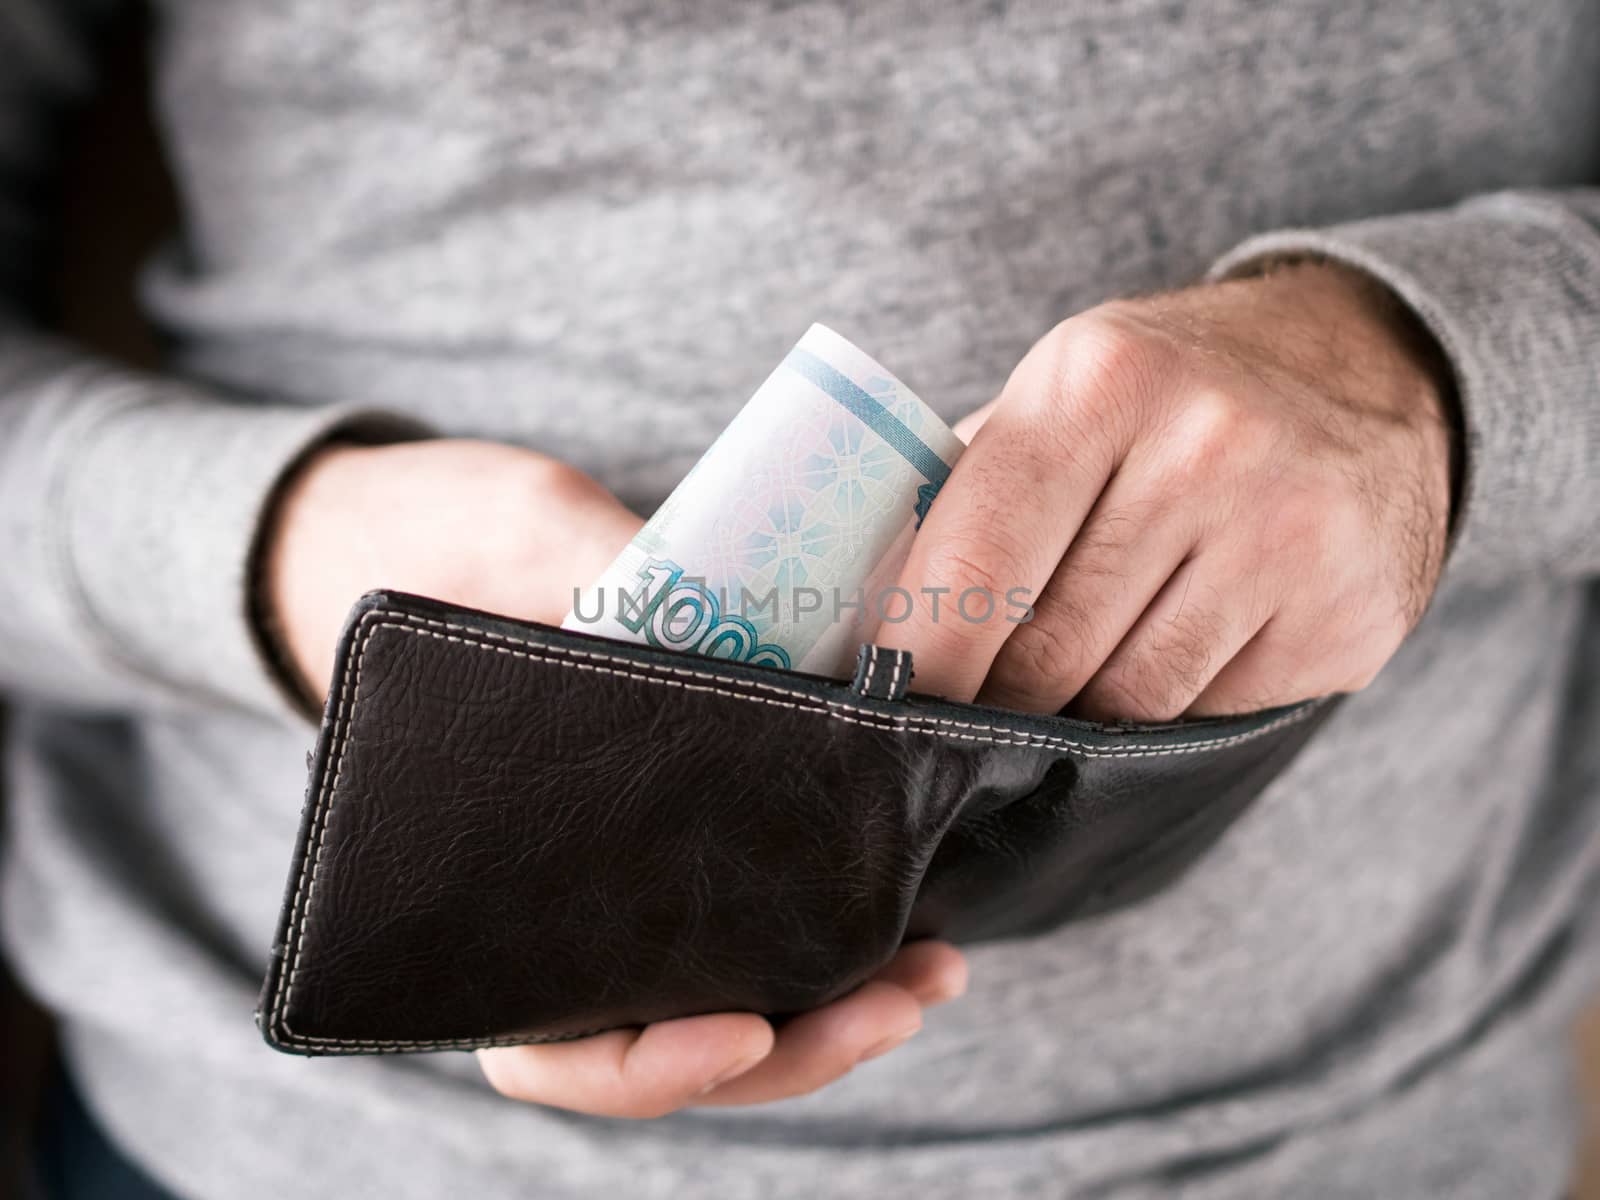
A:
889	1044
733	1072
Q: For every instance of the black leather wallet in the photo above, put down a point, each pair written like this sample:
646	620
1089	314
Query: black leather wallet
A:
515	833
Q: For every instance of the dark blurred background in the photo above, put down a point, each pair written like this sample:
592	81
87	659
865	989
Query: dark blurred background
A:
116	202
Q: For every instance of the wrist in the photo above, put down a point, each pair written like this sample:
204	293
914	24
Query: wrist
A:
295	525
1427	362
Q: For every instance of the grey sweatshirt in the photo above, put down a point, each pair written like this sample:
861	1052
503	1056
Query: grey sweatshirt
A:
593	229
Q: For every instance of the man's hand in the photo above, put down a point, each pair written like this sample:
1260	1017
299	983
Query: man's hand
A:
510	531
732	1058
476	523
1220	499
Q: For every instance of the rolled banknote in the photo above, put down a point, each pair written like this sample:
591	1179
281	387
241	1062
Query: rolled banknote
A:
783	543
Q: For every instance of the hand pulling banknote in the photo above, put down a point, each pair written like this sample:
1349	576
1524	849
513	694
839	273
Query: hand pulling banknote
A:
783	544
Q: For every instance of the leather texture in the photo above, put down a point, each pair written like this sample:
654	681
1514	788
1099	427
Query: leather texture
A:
516	833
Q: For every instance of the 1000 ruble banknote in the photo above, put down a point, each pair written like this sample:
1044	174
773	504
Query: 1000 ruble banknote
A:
783	544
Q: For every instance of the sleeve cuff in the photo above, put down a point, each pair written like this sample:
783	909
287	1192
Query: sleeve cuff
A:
157	522
1509	286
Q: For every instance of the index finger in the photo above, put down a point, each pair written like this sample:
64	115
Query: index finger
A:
1011	507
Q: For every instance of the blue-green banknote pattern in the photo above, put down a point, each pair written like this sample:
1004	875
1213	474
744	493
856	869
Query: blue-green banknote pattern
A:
783	543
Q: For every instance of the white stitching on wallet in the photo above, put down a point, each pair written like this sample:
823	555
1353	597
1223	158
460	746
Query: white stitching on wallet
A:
894	680
658	673
302	889
643	670
872	670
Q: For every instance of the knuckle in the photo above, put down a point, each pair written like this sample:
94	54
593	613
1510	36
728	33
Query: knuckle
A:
1339	643
1313	528
1216	428
1210	418
1300	517
1115	347
1248	698
1105	546
1186	661
1121	694
1346	524
1174	665
1154	689
1282	676
968	560
1040	661
1097	374
1185	644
